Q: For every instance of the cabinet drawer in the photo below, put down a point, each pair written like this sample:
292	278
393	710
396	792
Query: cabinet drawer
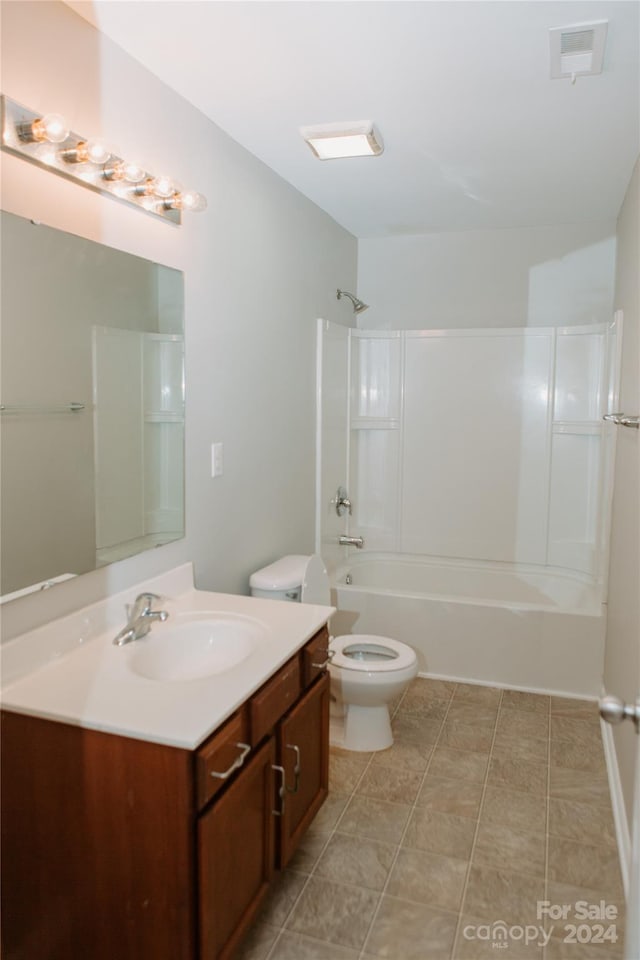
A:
274	699
315	656
219	758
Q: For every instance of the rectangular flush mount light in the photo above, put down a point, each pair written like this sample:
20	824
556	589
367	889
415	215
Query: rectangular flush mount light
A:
332	141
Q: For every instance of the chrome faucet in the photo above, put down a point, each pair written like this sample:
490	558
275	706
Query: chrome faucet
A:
141	616
351	542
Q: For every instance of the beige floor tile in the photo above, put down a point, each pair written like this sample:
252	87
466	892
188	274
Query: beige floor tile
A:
516	774
504	848
432	689
258	942
284	892
474	693
415	729
441	833
559	950
466	736
533	749
345	769
458	764
582	786
475	714
584	865
375	819
575	730
428	878
575	709
393	784
293	946
460	797
480	939
330	911
502	895
588	757
356	861
408	754
330	811
515	723
308	851
415	704
571	896
515	808
411	931
583	822
519	700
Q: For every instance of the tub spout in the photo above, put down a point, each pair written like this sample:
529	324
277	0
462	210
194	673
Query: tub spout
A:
351	542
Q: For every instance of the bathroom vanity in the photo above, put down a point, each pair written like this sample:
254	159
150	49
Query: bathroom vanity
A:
117	844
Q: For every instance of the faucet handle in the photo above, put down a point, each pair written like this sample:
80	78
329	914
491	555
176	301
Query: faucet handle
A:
142	605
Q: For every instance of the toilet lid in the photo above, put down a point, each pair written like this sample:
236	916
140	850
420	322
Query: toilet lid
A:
315	582
371	653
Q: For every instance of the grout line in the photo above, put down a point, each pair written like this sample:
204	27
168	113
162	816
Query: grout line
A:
456	937
362	954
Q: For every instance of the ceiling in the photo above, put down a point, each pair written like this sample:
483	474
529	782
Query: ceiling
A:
476	134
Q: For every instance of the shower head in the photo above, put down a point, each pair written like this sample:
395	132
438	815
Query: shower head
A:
358	305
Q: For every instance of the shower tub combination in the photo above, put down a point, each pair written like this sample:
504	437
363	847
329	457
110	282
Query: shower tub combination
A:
505	624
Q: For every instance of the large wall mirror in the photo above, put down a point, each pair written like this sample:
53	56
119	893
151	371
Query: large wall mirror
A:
92	405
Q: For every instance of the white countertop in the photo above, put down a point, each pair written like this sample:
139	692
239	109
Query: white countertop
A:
69	670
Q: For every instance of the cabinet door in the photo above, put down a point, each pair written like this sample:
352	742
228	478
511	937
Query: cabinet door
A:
303	741
235	842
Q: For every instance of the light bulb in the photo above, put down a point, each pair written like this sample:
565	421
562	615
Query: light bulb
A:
51	127
125	170
163	187
97	152
190	200
87	151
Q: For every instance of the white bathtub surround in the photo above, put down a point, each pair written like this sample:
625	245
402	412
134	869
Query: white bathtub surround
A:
504	625
69	669
483	444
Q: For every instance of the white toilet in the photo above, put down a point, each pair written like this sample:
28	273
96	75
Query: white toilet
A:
367	672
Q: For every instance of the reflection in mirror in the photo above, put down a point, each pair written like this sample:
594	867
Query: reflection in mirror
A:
92	405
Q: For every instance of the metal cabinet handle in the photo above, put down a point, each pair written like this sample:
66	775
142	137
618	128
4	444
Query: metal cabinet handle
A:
323	666
614	710
246	749
296	769
281	791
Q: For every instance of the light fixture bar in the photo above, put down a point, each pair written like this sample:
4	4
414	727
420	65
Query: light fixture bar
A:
334	141
45	141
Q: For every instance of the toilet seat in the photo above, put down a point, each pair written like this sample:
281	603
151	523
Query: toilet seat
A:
385	655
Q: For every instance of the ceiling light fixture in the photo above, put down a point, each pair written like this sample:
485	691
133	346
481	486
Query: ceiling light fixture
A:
333	141
47	141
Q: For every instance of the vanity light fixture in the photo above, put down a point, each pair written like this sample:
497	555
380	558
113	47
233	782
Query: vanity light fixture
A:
333	141
47	141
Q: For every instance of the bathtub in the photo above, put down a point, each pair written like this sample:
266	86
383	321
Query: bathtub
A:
508	625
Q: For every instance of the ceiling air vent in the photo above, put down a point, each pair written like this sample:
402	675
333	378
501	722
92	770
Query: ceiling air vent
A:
578	50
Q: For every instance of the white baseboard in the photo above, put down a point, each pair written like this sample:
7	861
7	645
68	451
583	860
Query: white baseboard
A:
623	833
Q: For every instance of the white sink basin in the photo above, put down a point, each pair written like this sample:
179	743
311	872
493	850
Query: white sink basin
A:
189	648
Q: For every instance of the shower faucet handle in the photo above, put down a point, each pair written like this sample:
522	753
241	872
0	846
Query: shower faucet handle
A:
342	502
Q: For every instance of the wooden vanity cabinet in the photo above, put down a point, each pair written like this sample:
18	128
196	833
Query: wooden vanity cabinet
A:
116	847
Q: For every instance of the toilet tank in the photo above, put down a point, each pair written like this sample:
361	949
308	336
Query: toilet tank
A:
281	580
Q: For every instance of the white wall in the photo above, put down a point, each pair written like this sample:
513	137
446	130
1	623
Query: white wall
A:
260	266
622	651
538	276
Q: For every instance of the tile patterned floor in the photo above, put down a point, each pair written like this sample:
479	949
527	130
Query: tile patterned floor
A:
488	802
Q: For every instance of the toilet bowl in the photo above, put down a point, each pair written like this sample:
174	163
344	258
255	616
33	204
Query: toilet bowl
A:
366	671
